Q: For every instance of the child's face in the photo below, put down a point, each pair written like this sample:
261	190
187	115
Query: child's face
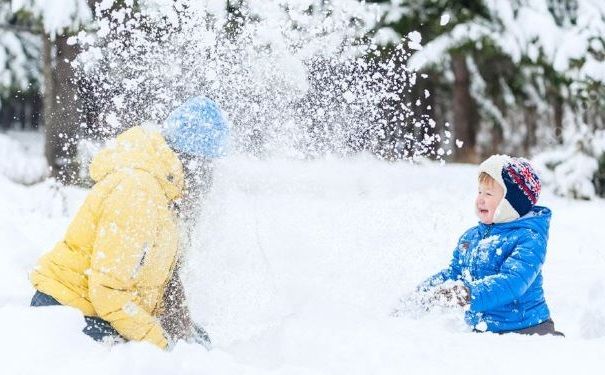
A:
488	197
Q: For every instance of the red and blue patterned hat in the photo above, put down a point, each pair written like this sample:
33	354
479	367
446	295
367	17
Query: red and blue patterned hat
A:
522	185
520	182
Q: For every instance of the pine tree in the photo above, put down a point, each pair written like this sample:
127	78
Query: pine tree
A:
53	22
529	63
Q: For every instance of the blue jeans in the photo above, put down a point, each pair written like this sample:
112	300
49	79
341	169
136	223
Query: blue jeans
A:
96	327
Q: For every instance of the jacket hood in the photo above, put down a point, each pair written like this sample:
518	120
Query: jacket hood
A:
538	220
139	148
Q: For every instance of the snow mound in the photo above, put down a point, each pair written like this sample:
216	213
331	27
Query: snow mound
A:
295	269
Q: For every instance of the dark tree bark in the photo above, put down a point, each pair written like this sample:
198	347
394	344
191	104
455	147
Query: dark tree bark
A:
497	141
531	118
60	103
558	117
6	114
466	118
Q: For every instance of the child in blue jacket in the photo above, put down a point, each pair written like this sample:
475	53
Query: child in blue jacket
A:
496	267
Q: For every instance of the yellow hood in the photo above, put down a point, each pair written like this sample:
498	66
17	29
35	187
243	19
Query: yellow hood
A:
139	148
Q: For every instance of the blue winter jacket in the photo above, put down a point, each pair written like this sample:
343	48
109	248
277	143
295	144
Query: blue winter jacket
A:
501	265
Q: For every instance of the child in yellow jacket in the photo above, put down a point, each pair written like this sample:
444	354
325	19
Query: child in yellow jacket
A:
117	260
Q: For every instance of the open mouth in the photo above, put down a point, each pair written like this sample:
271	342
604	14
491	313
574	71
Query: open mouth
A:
483	212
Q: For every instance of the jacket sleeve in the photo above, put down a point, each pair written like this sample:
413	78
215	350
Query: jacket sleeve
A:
453	272
516	275
126	231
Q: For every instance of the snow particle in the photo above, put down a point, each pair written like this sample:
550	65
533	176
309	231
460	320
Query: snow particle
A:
112	120
414	40
481	326
349	96
445	19
130	309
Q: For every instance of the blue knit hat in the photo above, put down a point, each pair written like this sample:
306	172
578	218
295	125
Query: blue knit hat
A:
197	128
520	182
522	185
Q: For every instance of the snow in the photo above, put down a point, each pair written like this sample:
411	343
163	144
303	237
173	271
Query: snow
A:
290	82
574	176
569	169
385	36
15	50
296	267
415	39
529	29
436	50
19	165
594	313
56	15
445	19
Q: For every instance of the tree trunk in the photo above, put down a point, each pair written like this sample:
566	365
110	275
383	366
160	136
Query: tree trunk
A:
61	116
6	114
48	101
497	141
466	118
558	117
531	118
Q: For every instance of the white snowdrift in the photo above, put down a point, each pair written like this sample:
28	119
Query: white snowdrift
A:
295	269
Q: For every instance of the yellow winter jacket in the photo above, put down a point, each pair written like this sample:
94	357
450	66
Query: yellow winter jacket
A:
120	249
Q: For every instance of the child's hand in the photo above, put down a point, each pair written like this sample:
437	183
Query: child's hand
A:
447	295
200	336
452	295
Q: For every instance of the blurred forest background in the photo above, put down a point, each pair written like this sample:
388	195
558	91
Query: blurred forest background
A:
523	77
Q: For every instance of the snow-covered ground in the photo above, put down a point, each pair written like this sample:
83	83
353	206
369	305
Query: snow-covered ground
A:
296	268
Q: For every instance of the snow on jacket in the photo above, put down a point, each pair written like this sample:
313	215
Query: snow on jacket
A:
501	265
120	250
